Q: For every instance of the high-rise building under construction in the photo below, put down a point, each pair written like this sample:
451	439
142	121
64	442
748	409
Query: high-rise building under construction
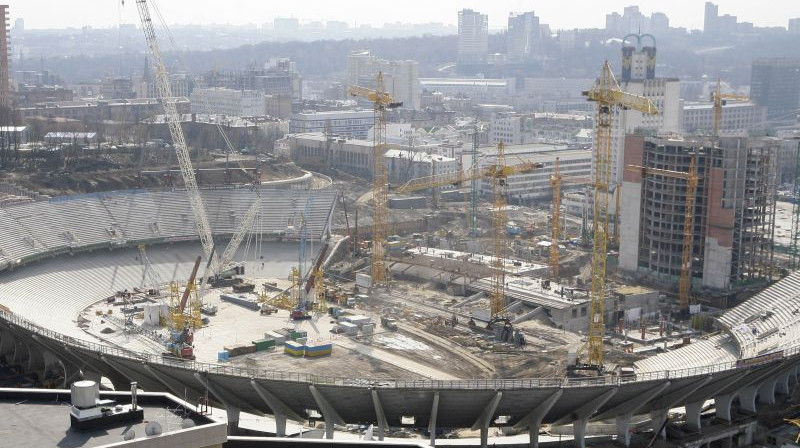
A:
734	209
5	87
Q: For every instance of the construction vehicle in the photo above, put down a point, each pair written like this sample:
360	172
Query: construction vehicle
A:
180	344
268	309
381	101
608	96
168	100
692	179
389	323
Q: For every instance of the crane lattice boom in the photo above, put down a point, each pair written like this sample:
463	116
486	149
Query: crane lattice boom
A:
458	177
381	101
173	121
717	97
608	96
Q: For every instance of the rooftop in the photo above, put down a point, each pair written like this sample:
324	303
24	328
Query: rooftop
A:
24	410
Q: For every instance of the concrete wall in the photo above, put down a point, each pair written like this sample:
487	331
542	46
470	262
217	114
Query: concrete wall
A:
630	205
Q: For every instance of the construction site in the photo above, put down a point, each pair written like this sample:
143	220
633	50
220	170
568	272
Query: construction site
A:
296	271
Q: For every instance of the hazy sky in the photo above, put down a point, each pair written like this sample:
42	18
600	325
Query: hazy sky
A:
557	13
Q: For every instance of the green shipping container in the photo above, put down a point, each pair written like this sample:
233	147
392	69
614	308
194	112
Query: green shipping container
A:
264	344
295	335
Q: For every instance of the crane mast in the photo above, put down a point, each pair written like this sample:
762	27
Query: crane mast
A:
498	302
164	91
717	97
692	179
381	101
608	96
555	182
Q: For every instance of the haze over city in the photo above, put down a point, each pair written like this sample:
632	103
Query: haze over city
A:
566	14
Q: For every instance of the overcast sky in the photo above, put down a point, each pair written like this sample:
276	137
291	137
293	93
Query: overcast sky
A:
558	13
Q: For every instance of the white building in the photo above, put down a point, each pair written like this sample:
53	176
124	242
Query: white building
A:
218	100
638	77
541	127
400	78
404	165
535	186
479	89
473	37
738	118
524	39
350	123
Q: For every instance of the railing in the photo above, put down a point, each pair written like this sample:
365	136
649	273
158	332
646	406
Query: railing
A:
298	377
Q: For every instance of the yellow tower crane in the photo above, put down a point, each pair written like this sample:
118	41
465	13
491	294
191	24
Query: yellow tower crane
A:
718	98
381	101
556	179
555	182
498	173
608	96
692	179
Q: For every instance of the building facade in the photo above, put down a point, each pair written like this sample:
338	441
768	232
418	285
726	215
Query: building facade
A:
350	123
238	103
473	39
400	78
129	111
639	78
738	118
775	83
535	185
540	127
5	80
733	212
403	165
524	38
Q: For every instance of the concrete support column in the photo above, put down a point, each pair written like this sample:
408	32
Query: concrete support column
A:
657	419
485	419
693	415
766	393
279	409
6	344
380	416
747	397
432	422
579	432
534	418
623	428
232	414
329	414
723	405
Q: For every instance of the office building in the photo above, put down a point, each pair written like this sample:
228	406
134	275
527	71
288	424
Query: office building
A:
400	78
524	38
775	83
473	40
739	118
638	77
5	81
222	101
350	123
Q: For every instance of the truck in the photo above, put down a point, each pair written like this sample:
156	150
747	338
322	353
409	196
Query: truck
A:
268	309
300	314
389	322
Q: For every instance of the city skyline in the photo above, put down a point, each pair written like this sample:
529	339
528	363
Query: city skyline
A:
682	13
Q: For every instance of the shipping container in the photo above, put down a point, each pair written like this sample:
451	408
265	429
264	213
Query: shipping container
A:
279	338
293	348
